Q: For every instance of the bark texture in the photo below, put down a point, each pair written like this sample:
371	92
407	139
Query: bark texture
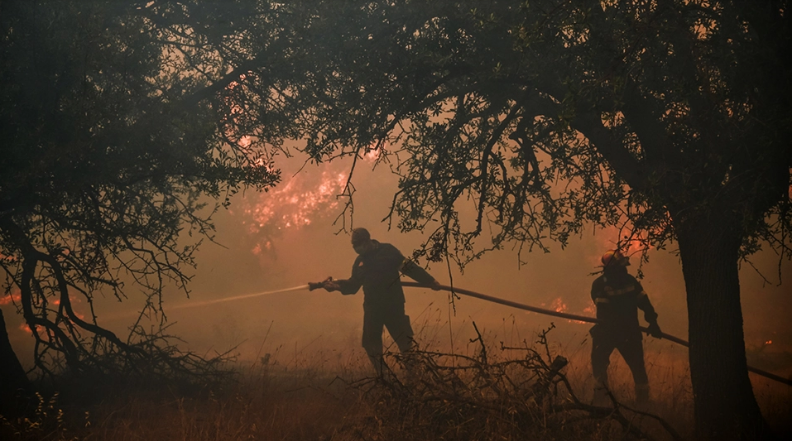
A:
14	383
724	403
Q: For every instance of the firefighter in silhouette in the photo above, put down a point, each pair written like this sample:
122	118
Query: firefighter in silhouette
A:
618	296
377	269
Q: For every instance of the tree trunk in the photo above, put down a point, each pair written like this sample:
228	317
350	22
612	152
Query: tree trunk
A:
14	383
724	404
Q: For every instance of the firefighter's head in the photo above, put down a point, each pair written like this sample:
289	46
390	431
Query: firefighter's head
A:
614	259
361	241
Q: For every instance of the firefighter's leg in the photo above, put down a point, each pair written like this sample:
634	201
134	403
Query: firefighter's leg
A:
372	338
602	347
632	351
398	324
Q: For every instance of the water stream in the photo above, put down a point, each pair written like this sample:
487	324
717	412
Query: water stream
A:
240	297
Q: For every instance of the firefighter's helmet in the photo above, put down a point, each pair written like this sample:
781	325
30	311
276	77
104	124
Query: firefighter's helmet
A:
613	258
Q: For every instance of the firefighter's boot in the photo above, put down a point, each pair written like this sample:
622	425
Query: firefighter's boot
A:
601	396
378	362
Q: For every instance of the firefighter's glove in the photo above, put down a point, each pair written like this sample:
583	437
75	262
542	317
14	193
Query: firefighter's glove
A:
328	284
654	330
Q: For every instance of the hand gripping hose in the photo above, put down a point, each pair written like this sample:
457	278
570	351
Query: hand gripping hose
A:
580	318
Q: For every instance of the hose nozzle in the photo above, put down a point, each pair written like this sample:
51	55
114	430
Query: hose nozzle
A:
316	285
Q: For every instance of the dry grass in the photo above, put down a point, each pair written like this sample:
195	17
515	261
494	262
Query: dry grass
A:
326	396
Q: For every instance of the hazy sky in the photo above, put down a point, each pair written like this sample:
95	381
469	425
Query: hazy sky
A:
285	238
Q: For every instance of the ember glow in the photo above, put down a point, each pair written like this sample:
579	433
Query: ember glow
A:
10	298
629	245
558	305
26	328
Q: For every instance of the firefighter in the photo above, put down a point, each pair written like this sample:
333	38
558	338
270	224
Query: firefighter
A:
618	296
377	269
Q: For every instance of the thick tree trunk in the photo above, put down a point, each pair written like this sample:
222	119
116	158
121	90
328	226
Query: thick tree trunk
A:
14	383
724	403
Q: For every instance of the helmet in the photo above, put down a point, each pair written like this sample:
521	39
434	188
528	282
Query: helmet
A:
613	258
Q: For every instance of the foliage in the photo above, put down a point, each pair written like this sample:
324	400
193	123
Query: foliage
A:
543	116
107	151
519	122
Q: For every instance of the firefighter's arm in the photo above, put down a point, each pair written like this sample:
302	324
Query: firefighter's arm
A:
598	295
328	284
352	284
348	286
420	275
649	313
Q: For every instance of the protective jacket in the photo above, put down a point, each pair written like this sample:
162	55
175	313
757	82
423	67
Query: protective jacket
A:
618	298
378	273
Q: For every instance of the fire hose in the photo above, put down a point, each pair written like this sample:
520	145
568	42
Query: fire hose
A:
469	293
580	318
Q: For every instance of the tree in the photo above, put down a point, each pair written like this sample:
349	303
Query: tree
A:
669	119
108	147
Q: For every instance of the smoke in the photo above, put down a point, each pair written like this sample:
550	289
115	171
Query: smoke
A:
286	238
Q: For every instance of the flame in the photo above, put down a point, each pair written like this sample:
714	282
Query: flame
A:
9	298
292	206
373	153
26	328
9	259
611	236
558	305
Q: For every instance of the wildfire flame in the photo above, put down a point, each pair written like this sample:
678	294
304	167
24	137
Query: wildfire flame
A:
26	328
292	206
628	245
7	299
558	305
9	259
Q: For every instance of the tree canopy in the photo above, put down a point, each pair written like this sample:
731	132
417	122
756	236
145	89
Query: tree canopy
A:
668	119
107	149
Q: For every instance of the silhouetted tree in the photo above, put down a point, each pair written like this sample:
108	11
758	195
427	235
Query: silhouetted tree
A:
669	119
107	148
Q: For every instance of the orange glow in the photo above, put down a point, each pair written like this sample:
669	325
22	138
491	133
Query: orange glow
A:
9	259
26	328
558	305
294	205
373	154
612	236
769	342
9	298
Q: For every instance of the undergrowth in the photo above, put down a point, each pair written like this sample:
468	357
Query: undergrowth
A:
529	390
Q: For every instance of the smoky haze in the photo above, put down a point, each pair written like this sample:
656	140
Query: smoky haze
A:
286	238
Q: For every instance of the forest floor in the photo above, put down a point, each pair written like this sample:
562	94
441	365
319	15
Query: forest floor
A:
490	393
